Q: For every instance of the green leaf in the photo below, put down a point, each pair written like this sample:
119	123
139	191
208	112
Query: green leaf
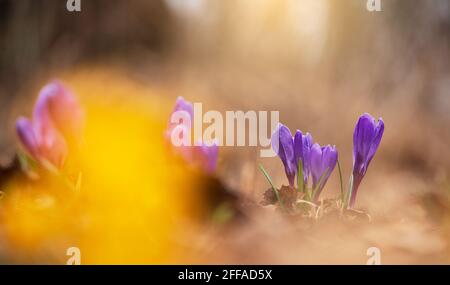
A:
27	164
341	183
23	161
271	184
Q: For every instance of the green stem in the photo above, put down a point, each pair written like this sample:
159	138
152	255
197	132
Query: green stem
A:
349	192
340	180
300	182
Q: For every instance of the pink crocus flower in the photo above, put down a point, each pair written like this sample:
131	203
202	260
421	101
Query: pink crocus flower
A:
56	121
203	155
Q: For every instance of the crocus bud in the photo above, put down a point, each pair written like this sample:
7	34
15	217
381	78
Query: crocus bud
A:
57	118
322	161
366	139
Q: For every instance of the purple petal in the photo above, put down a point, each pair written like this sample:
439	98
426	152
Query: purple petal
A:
283	145
183	105
41	118
205	156
323	162
211	153
298	146
330	156
362	139
379	130
315	163
25	132
307	144
366	133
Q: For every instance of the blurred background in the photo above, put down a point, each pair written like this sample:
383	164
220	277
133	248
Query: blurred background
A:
321	63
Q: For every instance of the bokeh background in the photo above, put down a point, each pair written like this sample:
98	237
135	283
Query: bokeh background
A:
321	63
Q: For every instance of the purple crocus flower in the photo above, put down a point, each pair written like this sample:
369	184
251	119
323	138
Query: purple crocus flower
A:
291	149
57	118
322	161
203	155
366	139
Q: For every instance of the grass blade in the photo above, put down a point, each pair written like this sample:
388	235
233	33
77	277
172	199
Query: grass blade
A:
271	184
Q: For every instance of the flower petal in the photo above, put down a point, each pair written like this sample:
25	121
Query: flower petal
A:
315	163
328	163
41	118
183	105
362	139
53	147
283	145
307	144
298	147
25	132
329	156
65	111
210	156
379	130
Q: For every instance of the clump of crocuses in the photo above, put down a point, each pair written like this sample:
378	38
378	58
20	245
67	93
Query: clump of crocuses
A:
56	123
201	154
308	166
